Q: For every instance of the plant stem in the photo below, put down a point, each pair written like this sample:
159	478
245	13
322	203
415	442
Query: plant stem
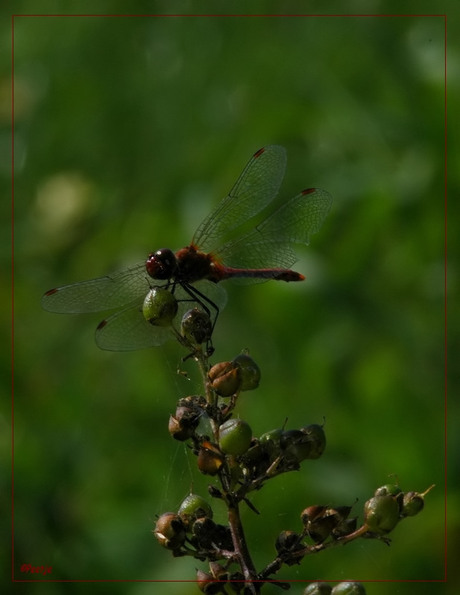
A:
239	542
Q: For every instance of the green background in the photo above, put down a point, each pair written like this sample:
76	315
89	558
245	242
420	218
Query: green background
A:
127	132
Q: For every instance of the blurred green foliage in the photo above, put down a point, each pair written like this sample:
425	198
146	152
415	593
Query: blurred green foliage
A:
127	131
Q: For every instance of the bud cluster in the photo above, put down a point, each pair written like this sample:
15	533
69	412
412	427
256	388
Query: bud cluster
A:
389	506
326	526
191	531
227	450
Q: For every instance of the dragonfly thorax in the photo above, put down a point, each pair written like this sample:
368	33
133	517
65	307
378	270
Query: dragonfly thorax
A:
194	265
161	264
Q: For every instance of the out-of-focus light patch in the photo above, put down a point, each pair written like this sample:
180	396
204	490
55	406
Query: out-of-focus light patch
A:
63	202
30	86
426	45
5	100
414	173
197	201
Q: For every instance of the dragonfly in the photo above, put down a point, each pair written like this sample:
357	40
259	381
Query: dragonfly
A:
248	237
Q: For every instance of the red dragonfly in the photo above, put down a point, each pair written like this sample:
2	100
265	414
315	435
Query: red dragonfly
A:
246	237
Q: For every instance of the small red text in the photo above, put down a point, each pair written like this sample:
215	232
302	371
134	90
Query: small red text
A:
36	569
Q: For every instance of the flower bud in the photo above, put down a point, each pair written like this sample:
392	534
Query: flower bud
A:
235	436
160	307
381	514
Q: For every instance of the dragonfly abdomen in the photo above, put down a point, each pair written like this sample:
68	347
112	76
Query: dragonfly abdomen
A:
220	273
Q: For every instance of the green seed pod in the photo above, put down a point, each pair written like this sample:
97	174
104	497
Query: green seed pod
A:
348	588
160	307
194	507
235	437
389	488
250	371
413	503
381	514
317	589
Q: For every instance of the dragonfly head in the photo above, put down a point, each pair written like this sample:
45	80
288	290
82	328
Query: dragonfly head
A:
161	264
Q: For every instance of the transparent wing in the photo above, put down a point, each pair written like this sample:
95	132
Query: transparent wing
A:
127	330
257	185
270	244
105	293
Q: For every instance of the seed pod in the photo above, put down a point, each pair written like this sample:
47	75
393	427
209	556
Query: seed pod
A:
210	458
159	307
225	378
207	584
250	371
317	439
288	541
194	507
235	436
348	588
381	514
413	503
317	589
189	411
311	513
196	326
170	531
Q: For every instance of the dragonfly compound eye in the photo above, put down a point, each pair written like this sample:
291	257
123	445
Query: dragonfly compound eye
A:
161	264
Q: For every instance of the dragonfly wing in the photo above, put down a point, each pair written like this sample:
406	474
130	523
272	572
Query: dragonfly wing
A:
299	218
96	295
270	244
257	185
127	330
